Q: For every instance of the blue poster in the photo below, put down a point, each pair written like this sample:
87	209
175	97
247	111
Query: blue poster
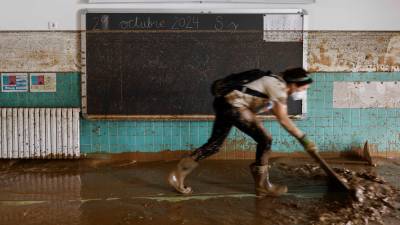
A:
14	82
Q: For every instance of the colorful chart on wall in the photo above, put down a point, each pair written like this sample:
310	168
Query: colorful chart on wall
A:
43	82
14	82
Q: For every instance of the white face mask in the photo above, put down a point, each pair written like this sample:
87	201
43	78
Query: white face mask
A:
299	95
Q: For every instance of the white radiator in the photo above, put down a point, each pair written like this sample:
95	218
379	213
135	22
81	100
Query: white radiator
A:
39	132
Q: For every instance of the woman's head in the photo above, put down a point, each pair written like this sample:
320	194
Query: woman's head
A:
297	80
296	75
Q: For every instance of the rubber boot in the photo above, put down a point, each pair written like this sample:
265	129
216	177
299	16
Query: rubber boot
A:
262	185
177	177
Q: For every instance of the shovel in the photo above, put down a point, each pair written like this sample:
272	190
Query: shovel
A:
336	180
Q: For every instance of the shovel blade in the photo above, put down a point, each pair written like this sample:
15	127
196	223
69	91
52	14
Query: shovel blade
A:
336	181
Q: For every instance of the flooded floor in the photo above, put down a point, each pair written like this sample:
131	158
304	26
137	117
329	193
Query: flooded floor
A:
126	192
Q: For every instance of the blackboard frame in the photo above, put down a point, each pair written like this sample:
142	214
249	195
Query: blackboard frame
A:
83	13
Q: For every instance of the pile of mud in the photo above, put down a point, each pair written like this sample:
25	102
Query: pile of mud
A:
371	198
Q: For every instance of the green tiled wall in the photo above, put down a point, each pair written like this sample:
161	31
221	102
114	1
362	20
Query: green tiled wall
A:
67	95
332	129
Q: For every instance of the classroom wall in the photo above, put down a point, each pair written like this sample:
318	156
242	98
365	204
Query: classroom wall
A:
332	56
333	129
323	14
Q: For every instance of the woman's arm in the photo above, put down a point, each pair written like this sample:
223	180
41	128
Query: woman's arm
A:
280	111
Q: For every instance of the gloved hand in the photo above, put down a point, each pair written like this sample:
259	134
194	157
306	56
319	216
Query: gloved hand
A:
308	145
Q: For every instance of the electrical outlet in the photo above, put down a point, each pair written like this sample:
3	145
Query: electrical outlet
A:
52	25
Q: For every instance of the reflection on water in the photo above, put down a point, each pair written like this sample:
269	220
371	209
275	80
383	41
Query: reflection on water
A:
40	198
88	192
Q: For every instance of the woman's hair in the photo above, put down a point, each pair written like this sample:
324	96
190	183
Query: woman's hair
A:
296	75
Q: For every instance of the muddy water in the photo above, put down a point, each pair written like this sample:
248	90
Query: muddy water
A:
370	199
126	192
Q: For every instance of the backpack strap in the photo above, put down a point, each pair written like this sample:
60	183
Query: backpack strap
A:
250	91
255	93
276	77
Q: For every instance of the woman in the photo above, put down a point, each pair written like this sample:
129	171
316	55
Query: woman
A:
239	108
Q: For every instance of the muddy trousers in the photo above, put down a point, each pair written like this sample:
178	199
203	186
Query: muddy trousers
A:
242	118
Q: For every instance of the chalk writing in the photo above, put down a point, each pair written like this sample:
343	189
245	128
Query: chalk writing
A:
174	22
188	22
221	24
143	23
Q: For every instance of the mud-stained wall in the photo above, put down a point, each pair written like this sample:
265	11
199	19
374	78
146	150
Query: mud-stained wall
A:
332	128
353	51
330	51
39	51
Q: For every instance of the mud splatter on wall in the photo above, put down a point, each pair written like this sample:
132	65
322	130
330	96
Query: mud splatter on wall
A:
329	51
39	51
333	128
334	51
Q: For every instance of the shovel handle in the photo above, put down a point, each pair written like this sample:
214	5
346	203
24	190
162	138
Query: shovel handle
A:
328	170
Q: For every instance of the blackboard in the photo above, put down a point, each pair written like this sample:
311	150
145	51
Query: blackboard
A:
148	65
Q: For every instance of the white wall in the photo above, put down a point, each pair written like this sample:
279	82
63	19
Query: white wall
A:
323	15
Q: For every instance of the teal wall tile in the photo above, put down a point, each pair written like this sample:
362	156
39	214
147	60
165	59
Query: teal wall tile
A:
86	148
331	128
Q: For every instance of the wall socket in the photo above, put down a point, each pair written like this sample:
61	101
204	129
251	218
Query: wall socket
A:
52	25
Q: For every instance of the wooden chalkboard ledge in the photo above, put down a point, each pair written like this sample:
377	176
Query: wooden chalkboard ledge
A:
172	117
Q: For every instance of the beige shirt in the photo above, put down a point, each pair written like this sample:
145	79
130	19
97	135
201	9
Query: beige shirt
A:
274	87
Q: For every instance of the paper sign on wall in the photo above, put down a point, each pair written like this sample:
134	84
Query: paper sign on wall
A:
14	82
367	94
43	82
283	27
